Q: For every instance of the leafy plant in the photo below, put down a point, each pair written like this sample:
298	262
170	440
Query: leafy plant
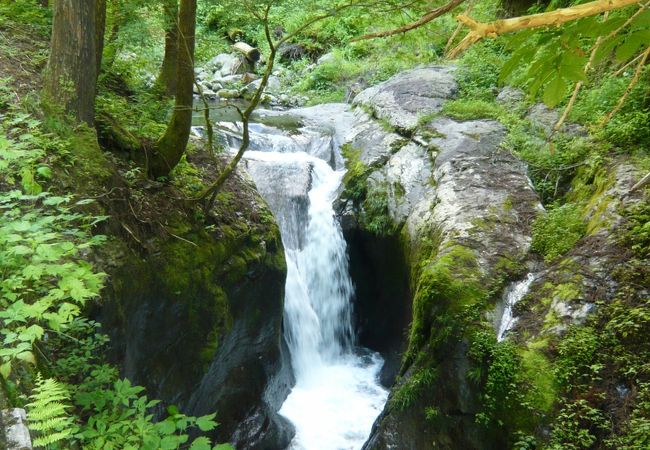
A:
49	414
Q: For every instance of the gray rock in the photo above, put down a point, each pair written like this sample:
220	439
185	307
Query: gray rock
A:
511	96
272	86
229	80
209	93
404	98
541	116
228	93
326	58
406	178
226	64
374	142
13	428
286	188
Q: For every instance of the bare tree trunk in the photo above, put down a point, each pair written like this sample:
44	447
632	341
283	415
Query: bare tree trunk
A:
171	146
71	74
167	76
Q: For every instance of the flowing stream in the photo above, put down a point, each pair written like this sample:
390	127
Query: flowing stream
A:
337	395
514	293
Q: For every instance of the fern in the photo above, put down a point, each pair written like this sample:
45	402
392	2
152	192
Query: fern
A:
47	413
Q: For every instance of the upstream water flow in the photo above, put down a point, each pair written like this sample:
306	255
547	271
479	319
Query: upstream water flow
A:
337	395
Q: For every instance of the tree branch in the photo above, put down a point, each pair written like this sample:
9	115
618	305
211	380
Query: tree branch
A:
480	30
428	17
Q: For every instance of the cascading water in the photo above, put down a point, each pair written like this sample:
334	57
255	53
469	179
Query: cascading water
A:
337	395
513	294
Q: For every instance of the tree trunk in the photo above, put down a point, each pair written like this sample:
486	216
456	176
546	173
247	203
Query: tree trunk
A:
171	146
71	74
167	76
100	30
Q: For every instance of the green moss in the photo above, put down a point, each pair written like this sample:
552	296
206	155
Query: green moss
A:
589	188
355	179
468	109
538	371
408	393
375	217
558	231
448	297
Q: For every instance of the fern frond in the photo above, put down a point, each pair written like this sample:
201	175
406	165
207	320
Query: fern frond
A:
47	413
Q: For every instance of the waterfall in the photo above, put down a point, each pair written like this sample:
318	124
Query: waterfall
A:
513	294
337	395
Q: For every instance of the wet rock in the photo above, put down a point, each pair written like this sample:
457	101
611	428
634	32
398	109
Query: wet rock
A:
406	97
286	187
200	326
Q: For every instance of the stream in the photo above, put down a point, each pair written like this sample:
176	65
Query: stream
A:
337	395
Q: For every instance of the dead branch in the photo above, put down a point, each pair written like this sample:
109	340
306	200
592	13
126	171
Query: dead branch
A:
480	30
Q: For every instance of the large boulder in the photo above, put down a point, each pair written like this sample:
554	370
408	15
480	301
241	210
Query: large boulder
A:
403	100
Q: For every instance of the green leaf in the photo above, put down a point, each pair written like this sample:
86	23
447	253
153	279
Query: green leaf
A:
5	370
224	447
166	427
201	443
555	91
633	42
27	357
205	423
44	171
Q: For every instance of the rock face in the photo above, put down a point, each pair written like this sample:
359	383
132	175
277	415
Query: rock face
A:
567	292
198	321
442	185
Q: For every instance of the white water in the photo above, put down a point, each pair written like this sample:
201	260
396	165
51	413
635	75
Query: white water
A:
513	294
337	395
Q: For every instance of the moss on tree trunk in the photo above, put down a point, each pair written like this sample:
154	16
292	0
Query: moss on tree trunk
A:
171	146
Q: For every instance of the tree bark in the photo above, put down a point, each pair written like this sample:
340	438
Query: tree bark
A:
170	147
167	76
100	30
71	74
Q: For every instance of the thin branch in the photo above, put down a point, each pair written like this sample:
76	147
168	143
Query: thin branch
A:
428	17
480	30
579	84
459	27
627	22
628	64
630	86
642	182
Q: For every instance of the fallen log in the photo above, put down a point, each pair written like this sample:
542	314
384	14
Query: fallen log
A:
251	53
